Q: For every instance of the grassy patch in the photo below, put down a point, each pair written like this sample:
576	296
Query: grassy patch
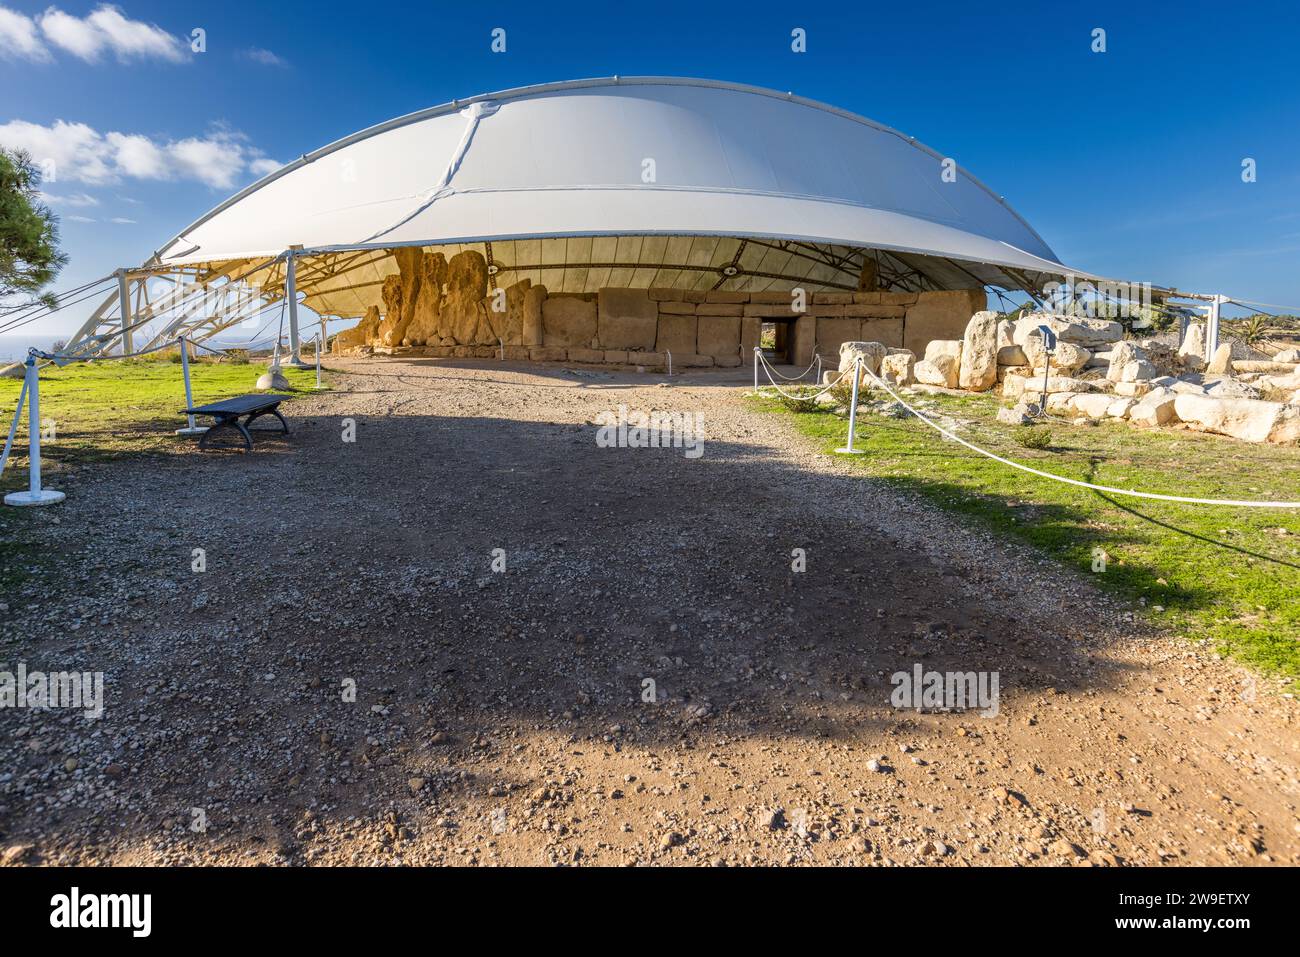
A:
103	411
1227	575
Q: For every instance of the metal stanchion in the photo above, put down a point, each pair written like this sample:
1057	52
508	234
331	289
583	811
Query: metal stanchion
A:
35	495
756	352
853	410
190	429
319	345
670	361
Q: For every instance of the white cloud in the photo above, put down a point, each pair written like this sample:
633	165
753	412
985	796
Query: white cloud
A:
78	219
18	37
264	57
122	221
75	152
72	199
263	166
105	30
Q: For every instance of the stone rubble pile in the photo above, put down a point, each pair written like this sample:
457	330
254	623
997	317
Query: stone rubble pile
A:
1096	374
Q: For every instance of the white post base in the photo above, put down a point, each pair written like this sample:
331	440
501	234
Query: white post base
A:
46	496
850	452
192	430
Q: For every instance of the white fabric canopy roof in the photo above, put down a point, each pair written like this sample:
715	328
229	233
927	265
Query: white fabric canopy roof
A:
568	164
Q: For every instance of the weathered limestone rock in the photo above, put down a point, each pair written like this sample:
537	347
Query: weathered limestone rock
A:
979	353
941	365
718	336
1011	354
391	294
937	315
361	334
871	354
1227	388
1090	334
1066	359
1289	356
626	319
1221	362
464	313
1120	408
898	367
1095	405
534	330
1191	351
569	321
677	334
888	331
1132	389
1261	365
17	370
1155	408
426	327
1055	383
516	297
1250	420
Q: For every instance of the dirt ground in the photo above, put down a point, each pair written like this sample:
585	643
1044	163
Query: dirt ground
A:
500	716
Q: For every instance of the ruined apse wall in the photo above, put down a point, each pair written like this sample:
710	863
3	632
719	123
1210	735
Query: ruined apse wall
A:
440	307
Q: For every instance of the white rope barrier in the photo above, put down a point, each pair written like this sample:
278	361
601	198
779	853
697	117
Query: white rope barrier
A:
1069	481
815	395
817	361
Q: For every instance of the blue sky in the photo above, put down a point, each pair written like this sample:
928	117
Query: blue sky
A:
1128	162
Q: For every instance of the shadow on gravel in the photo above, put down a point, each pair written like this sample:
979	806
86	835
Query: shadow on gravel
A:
329	563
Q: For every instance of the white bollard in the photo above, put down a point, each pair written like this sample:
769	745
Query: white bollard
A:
190	429
853	411
35	495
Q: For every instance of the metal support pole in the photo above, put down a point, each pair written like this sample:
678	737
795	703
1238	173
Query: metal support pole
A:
124	310
318	348
670	361
35	495
853	411
291	291
1212	328
756	350
190	429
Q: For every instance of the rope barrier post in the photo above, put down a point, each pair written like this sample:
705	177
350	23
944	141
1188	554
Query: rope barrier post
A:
853	410
319	346
35	495
190	429
670	362
757	350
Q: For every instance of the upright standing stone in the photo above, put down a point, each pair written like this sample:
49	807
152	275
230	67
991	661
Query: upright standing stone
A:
979	353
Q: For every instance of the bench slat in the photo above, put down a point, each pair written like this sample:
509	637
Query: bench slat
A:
239	405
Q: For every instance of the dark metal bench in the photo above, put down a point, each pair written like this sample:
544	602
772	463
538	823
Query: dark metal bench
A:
228	412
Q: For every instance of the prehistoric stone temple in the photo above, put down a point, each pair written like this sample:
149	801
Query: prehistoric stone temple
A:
439	307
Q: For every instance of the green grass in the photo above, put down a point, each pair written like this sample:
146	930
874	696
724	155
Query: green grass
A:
1230	576
104	411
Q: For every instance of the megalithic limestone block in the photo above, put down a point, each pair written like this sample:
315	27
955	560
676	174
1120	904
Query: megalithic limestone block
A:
426	324
361	334
534	298
463	307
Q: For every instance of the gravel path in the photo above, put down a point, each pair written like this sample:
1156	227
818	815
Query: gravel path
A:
499	717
